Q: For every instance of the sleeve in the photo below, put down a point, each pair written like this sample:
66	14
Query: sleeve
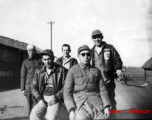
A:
35	86
58	61
68	92
23	76
116	58
103	91
59	95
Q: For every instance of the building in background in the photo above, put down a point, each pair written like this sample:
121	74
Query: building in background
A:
12	54
148	69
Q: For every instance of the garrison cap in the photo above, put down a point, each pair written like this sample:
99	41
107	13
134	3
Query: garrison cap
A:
48	52
30	47
83	47
96	32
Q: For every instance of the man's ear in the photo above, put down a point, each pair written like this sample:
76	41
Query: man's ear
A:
102	37
42	60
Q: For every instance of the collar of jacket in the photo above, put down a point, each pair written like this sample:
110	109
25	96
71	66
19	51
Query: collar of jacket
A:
34	58
54	67
104	44
84	66
61	58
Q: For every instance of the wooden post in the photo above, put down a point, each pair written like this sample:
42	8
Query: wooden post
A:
145	75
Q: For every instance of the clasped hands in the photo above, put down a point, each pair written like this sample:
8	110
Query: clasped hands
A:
52	101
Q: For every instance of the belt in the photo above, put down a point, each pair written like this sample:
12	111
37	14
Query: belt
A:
87	91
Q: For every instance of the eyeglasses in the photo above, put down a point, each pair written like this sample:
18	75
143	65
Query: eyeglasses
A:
87	54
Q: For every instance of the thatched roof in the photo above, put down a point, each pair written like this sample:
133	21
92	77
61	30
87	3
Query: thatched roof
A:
148	64
15	43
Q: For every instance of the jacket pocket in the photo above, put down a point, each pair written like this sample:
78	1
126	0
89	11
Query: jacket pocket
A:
78	79
29	69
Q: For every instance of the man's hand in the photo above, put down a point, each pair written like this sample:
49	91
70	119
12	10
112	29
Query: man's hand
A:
53	101
24	92
106	112
119	73
72	115
42	104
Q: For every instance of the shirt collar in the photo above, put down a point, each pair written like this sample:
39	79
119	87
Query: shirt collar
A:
66	59
31	58
53	68
84	66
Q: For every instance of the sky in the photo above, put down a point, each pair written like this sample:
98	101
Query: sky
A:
126	24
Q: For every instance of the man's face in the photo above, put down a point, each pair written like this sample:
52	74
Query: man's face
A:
31	53
84	57
66	51
97	39
47	60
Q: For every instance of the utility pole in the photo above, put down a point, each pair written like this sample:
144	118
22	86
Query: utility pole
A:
51	23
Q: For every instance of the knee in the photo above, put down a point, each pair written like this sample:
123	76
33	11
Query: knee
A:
50	117
80	116
34	116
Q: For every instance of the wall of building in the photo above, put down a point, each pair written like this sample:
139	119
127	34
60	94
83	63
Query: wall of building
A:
9	75
10	65
148	74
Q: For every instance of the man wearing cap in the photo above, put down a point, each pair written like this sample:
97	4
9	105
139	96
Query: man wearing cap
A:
27	73
47	87
66	60
85	94
107	59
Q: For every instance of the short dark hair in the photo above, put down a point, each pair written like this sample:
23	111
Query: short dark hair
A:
66	45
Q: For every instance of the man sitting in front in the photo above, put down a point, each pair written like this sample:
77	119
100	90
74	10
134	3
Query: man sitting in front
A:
47	87
85	94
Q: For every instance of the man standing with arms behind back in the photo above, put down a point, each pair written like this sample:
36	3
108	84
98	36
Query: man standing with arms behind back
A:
27	74
66	60
107	59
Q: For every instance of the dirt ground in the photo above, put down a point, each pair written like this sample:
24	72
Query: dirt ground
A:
128	97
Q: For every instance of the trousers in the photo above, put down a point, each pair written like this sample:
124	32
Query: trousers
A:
111	91
89	112
50	112
30	101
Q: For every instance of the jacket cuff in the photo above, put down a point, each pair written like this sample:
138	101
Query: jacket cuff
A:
108	106
38	99
72	109
58	96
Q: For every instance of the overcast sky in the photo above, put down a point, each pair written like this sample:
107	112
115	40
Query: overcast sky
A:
126	24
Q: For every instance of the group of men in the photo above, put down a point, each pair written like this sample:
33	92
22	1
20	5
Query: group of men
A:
86	88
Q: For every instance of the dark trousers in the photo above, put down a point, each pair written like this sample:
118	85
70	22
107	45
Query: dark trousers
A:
30	101
111	91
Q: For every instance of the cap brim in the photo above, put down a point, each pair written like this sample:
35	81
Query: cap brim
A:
47	54
96	34
83	50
